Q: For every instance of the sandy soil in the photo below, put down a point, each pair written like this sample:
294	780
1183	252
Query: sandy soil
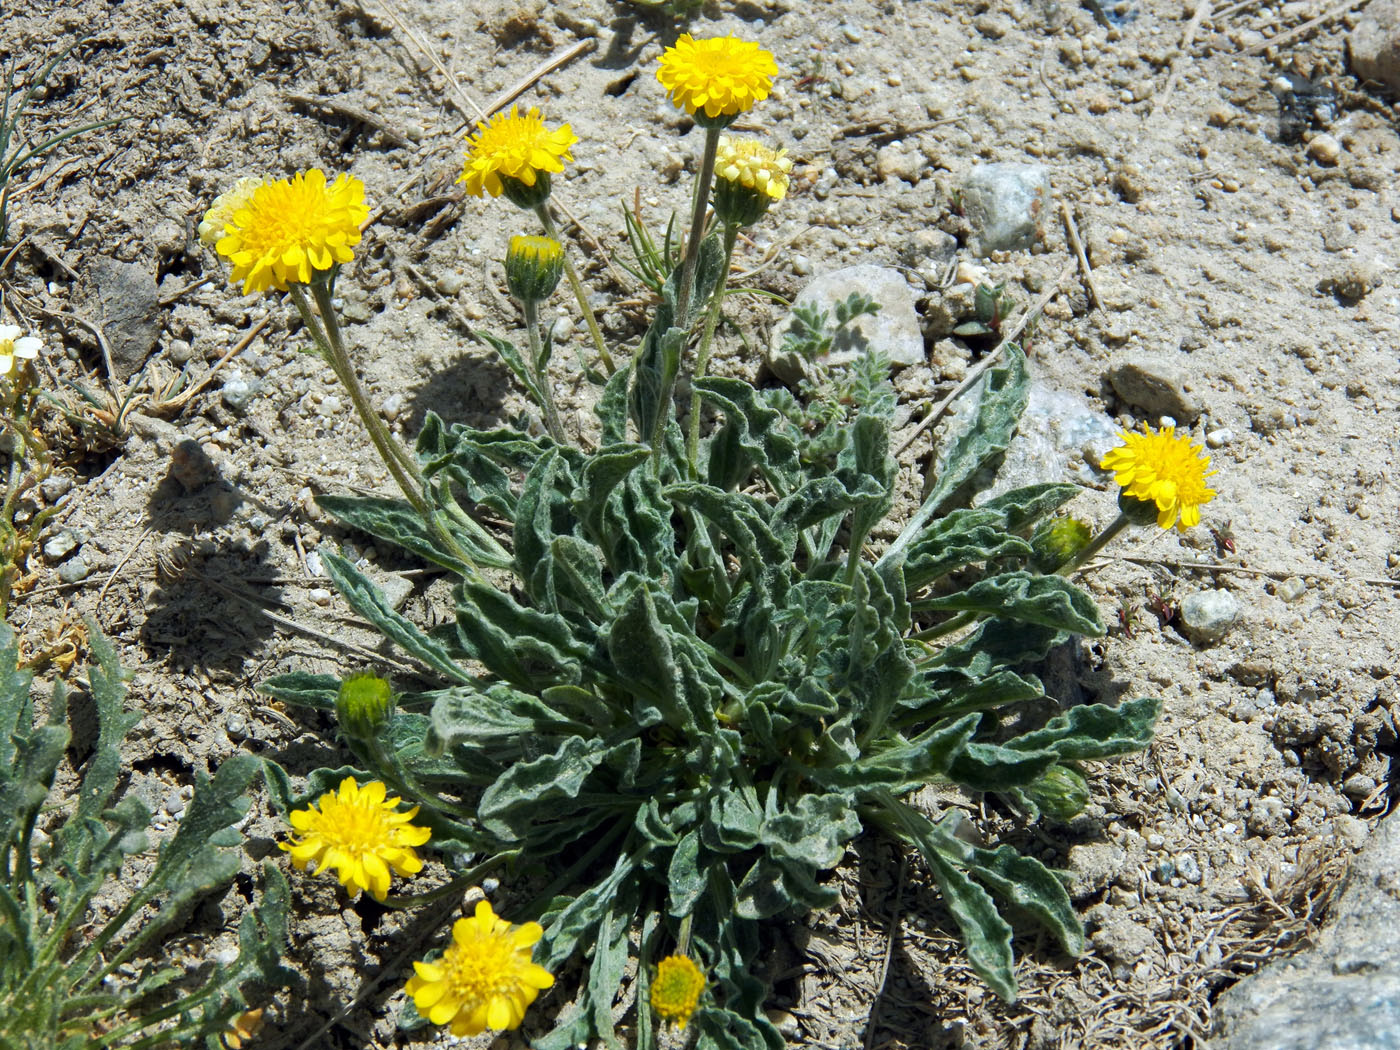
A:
1223	247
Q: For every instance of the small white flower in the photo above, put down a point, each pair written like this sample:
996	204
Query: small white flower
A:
13	345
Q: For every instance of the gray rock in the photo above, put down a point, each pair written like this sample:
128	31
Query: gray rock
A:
928	249
61	545
1121	940
894	330
1059	439
75	569
1155	385
1188	867
1343	993
1092	866
124	296
1374	44
238	391
1207	615
1006	204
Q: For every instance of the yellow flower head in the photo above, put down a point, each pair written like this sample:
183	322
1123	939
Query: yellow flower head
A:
357	831
676	990
514	147
485	978
750	163
1162	468
221	212
286	230
719	77
13	345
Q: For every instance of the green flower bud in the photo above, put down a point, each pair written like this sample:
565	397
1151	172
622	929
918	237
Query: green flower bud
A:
1137	511
1061	793
749	176
1056	542
363	706
524	196
533	267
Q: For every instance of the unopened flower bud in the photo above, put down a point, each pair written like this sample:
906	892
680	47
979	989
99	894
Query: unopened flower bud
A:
363	706
533	267
1061	793
1057	542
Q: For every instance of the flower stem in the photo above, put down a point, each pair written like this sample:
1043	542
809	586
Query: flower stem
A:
537	367
702	355
547	221
326	330
697	226
1095	545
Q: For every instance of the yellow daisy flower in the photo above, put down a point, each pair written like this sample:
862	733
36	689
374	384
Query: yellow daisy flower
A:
357	831
221	212
749	163
15	345
719	77
676	990
287	230
512	147
1162	468
484	979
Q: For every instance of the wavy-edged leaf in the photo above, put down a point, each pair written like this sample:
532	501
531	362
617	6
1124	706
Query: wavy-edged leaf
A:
369	601
1050	601
1002	395
1095	730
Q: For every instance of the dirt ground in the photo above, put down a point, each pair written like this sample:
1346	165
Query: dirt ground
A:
1224	244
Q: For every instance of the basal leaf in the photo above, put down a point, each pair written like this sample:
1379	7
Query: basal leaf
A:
1050	601
369	601
1095	730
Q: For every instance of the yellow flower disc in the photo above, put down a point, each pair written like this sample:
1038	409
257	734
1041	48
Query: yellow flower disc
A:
289	229
358	832
1162	468
721	76
750	163
676	990
516	147
485	978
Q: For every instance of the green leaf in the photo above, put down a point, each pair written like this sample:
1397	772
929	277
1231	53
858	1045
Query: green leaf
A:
992	767
605	471
612	407
113	721
1095	731
395	521
986	935
1032	887
1021	508
763	557
961	538
686	875
317	691
1050	601
654	376
524	792
907	764
1003	393
369	601
515	361
515	642
753	436
464	714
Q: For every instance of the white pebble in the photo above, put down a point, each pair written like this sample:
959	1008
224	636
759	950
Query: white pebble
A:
319	595
1325	149
1220	438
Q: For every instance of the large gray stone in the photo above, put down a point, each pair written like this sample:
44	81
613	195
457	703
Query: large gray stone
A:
1207	615
1154	384
893	330
1059	438
125	300
1006	205
1374	44
1342	994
